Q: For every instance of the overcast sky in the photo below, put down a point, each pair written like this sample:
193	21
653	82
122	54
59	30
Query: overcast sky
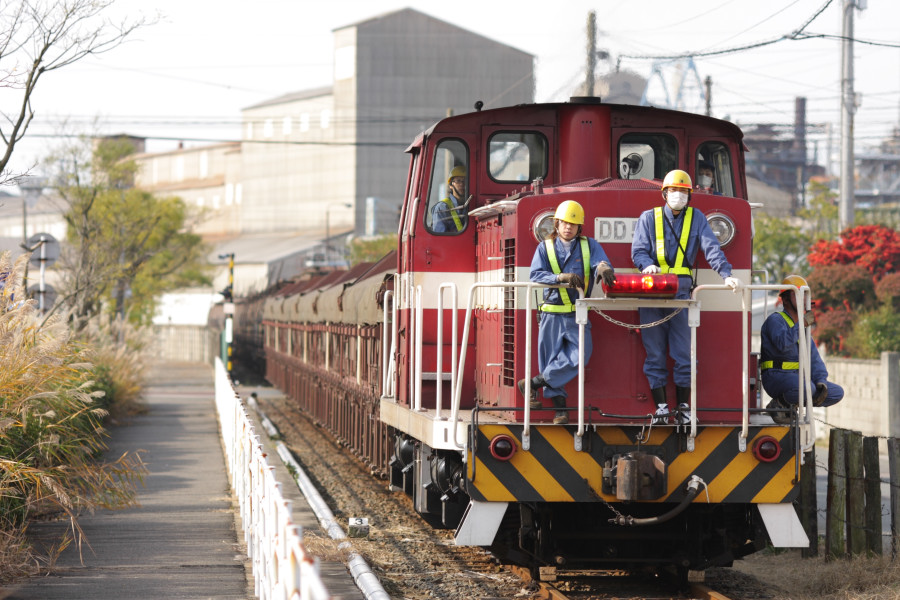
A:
192	73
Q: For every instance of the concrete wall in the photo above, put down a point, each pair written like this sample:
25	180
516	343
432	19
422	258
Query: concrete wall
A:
186	343
871	401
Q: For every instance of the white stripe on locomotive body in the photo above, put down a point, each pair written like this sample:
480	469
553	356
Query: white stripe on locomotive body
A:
492	298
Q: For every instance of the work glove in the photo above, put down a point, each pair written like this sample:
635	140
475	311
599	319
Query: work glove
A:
809	318
734	283
821	394
650	270
571	279
606	273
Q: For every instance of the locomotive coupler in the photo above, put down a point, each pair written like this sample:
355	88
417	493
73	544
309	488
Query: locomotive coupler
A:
635	476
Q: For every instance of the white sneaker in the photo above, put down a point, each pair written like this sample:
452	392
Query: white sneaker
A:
662	415
684	414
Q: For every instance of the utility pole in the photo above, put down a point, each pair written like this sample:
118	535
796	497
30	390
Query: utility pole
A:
228	294
848	108
591	53
708	84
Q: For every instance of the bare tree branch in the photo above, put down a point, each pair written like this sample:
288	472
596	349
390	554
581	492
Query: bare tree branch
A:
39	36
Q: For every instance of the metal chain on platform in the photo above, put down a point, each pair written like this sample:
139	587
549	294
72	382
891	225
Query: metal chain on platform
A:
632	325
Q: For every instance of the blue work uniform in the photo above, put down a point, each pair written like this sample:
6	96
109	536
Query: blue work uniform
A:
674	333
443	219
779	355
558	331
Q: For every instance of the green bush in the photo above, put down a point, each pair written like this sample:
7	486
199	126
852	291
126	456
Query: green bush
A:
875	332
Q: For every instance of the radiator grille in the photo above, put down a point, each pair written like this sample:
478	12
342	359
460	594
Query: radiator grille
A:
509	313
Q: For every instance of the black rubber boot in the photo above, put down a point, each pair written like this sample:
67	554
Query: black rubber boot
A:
561	417
683	398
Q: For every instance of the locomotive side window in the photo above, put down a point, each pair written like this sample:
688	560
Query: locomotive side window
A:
647	155
516	156
448	193
713	169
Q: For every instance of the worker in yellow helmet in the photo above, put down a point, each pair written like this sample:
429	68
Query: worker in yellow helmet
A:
666	240
779	356
570	259
450	215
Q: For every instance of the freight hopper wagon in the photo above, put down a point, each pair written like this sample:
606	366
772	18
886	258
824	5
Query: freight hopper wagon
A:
424	388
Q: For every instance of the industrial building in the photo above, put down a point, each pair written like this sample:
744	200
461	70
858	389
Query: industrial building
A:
328	162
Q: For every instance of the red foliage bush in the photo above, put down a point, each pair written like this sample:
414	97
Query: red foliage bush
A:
832	326
888	290
844	286
873	247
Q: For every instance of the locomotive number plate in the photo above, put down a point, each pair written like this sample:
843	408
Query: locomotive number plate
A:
619	230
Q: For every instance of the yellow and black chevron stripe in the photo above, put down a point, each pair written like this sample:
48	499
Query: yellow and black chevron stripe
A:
553	471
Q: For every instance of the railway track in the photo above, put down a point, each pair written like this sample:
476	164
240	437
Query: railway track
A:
416	561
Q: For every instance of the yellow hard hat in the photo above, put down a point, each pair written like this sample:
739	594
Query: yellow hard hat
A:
458	171
677	179
793	280
570	212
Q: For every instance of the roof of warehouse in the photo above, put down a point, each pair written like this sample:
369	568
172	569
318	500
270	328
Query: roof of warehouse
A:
264	247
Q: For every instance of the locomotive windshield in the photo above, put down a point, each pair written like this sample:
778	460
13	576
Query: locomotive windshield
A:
516	156
449	189
647	155
713	161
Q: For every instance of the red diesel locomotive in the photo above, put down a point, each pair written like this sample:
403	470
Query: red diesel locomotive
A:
413	361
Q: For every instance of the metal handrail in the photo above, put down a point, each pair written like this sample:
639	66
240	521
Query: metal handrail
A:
802	295
387	360
583	305
417	349
454	407
439	405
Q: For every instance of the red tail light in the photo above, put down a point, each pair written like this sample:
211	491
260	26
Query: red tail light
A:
766	449
631	285
503	447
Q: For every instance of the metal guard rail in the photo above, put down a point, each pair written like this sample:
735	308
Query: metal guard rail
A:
282	567
583	305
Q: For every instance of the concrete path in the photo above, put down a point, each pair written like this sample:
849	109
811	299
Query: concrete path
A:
181	542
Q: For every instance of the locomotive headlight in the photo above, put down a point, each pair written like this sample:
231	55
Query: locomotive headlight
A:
543	226
723	227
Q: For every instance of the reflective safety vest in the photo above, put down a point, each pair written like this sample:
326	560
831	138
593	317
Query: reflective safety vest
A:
453	213
568	305
777	364
678	268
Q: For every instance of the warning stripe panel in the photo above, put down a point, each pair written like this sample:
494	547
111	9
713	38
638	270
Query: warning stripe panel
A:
553	471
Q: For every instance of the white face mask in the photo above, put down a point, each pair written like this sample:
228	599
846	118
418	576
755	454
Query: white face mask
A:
704	181
676	200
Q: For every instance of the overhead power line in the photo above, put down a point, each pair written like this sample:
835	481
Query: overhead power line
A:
797	34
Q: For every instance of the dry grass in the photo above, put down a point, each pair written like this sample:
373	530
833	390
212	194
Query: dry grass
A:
51	427
796	578
118	366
